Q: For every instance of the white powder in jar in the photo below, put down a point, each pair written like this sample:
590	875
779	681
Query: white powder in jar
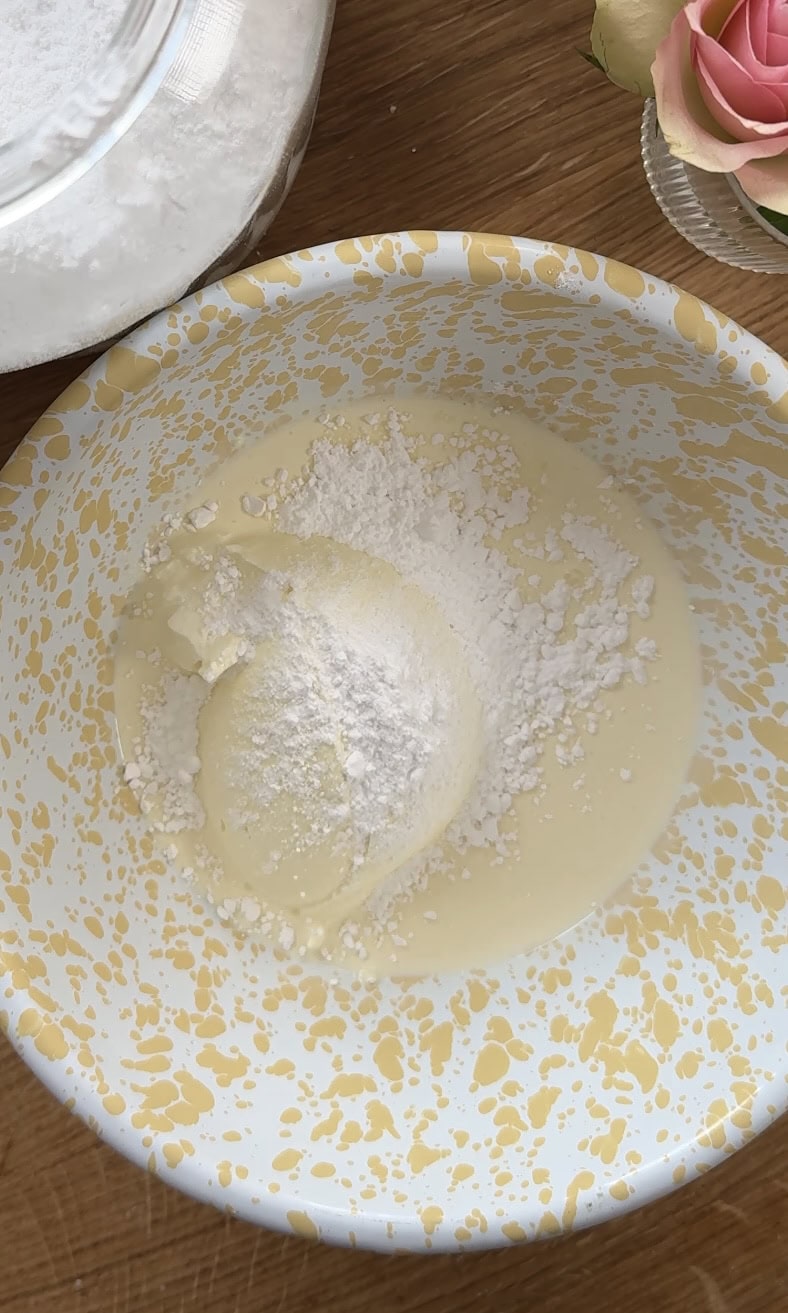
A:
175	192
48	47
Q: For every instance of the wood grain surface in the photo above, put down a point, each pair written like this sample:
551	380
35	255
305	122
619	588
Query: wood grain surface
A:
451	114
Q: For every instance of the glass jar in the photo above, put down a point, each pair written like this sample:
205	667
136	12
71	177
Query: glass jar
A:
709	209
159	171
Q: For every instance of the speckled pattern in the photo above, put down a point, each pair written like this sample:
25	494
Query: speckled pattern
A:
474	1110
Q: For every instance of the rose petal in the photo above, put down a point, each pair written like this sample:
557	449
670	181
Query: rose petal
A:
755	100
744	33
689	129
712	15
624	36
758	24
777	52
746	37
748	98
780	90
736	125
778	17
766	183
744	93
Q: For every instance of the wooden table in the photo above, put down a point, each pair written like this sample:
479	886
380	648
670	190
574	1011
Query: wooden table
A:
452	114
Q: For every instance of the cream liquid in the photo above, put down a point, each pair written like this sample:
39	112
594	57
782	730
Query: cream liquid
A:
575	841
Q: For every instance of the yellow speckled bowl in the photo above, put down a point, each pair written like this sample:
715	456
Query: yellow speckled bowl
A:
576	1080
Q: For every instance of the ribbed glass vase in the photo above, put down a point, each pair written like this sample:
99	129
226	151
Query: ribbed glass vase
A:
709	209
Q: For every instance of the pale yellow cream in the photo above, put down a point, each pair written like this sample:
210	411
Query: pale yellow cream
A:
575	842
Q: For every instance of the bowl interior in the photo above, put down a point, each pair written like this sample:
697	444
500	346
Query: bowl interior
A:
477	1109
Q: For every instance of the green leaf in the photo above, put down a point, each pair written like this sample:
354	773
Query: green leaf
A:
778	221
591	59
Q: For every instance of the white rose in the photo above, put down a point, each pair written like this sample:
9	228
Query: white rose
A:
625	36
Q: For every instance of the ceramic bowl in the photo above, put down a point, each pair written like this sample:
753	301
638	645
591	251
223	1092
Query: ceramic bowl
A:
485	1108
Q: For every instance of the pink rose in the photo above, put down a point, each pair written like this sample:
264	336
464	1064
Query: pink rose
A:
721	83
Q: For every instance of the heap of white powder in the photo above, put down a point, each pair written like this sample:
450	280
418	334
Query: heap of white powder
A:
539	658
369	698
174	193
533	670
165	762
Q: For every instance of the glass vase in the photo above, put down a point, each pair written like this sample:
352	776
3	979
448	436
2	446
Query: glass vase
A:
709	209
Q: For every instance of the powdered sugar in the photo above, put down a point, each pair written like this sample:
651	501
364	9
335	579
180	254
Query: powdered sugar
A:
453	517
165	761
534	660
371	699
